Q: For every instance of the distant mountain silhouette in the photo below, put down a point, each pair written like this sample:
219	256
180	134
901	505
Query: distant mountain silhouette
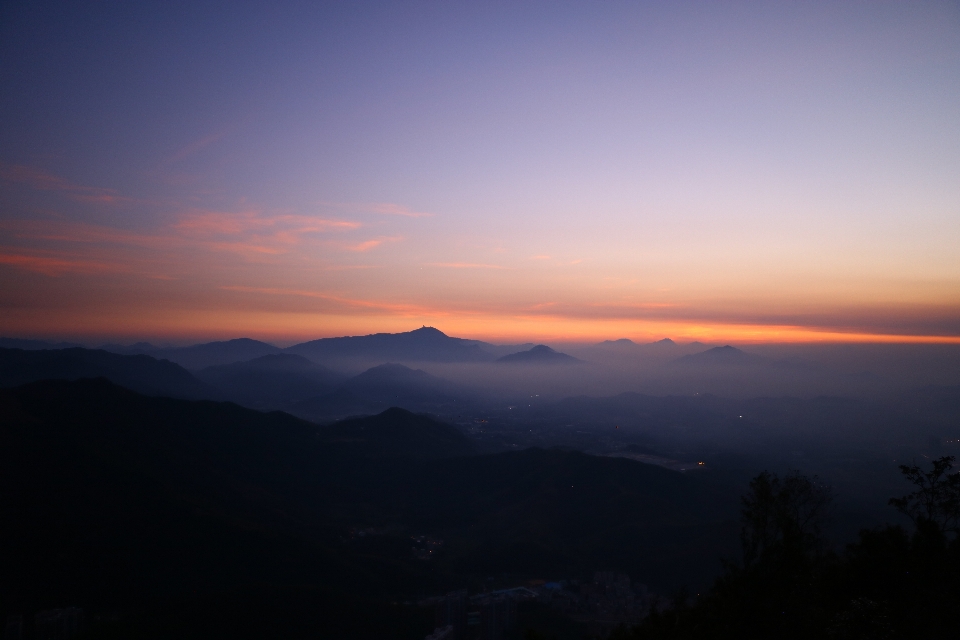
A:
204	355
723	356
143	374
425	344
273	381
378	388
622	342
32	345
396	433
666	342
391	379
139	348
540	354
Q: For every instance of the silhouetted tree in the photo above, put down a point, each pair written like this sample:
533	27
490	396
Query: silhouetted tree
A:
783	516
890	584
937	498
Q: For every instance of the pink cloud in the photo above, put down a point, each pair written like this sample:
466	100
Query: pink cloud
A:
346	302
383	208
372	244
54	266
196	146
464	265
43	181
390	209
284	227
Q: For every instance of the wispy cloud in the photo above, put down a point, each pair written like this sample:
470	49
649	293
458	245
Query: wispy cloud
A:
351	303
41	180
390	209
464	265
367	245
195	146
285	227
382	208
53	265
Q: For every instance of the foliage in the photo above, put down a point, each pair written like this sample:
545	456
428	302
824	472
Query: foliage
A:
888	585
783	516
937	498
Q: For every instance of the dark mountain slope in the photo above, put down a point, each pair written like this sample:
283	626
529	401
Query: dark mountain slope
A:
537	512
140	373
425	344
181	511
271	382
380	387
390	383
396	433
540	354
114	500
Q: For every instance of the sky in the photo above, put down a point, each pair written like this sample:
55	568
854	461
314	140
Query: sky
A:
751	172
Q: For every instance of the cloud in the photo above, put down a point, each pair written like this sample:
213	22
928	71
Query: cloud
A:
288	227
382	208
54	266
349	303
195	146
372	244
464	265
41	180
390	209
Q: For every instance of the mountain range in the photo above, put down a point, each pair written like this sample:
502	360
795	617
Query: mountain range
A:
205	518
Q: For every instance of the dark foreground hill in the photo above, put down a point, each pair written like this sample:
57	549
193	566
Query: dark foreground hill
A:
204	519
141	373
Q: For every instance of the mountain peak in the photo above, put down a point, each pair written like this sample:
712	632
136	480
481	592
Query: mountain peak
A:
429	331
725	355
541	354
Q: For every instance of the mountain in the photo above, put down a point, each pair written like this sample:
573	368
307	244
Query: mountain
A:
380	387
540	354
205	519
390	381
622	342
208	354
273	381
720	356
424	345
139	348
666	342
198	518
396	433
144	374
